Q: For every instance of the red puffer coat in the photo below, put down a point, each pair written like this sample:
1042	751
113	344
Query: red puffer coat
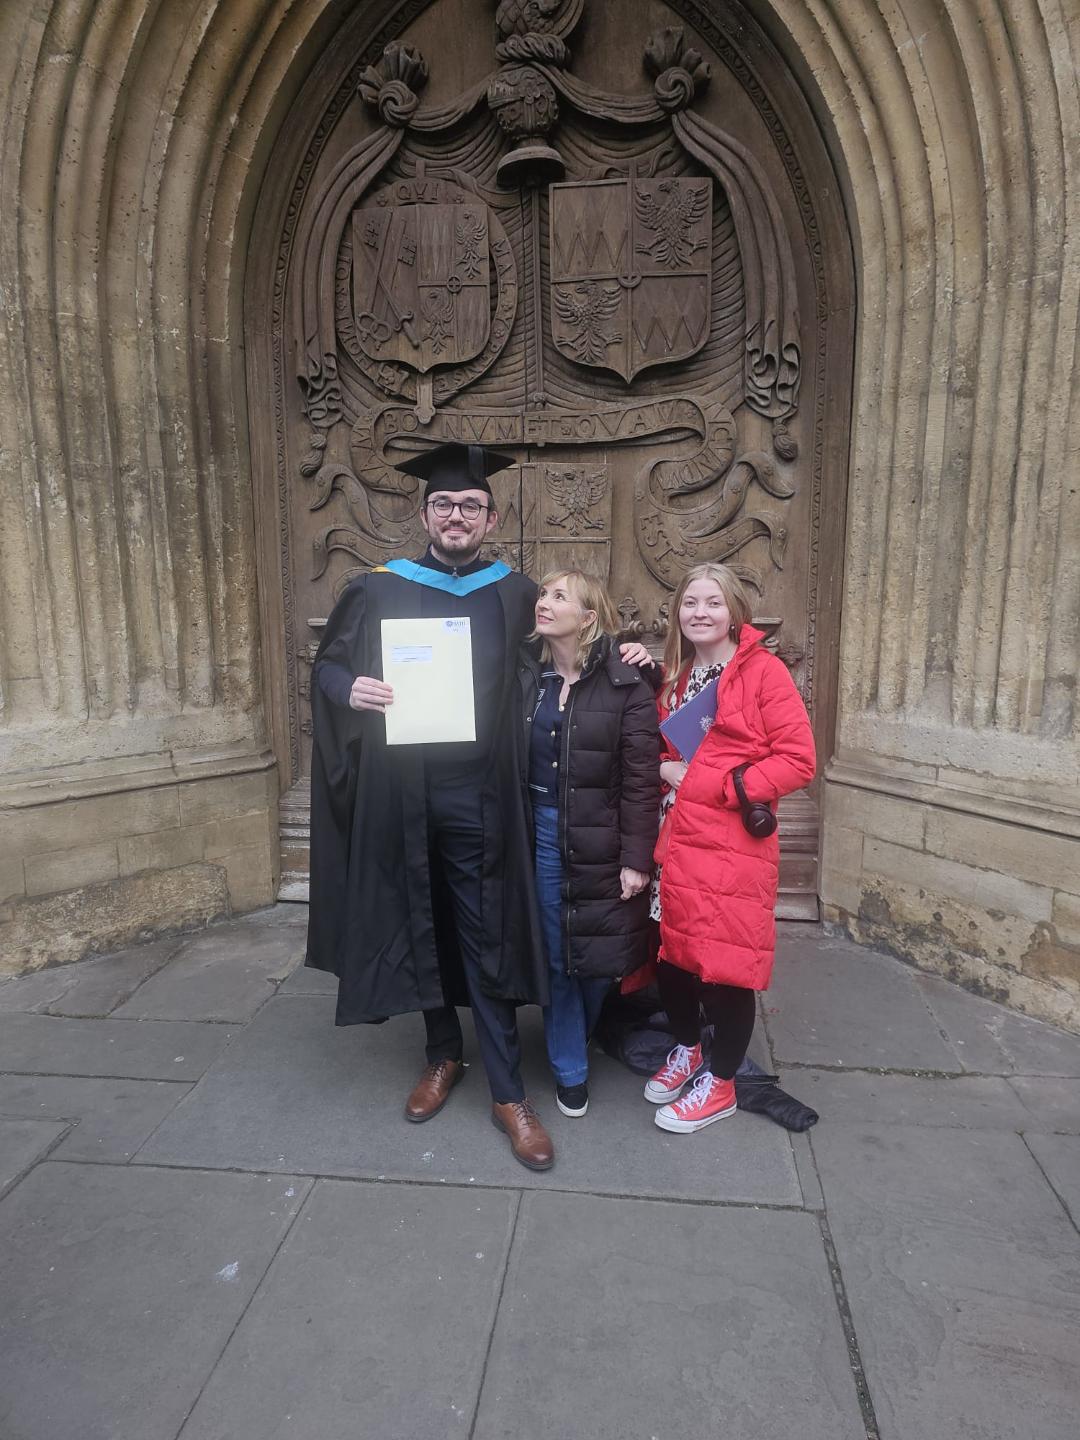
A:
718	884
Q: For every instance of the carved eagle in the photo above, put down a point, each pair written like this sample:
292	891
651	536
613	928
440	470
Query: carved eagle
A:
470	233
669	214
576	492
584	307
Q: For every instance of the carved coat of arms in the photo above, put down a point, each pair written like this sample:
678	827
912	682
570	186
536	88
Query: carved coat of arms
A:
421	283
631	267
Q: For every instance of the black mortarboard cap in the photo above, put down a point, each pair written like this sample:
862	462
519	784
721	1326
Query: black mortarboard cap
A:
455	467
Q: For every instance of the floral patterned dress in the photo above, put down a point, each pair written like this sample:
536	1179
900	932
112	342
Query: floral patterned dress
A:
700	676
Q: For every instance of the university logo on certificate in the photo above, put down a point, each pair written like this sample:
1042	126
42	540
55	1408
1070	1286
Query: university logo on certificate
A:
428	663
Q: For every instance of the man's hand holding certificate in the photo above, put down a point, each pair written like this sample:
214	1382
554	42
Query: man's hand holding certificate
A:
428	664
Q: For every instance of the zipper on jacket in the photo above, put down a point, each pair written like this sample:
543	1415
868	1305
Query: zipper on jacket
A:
566	815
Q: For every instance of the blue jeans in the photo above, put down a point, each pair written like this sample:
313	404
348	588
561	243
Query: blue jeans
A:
575	1002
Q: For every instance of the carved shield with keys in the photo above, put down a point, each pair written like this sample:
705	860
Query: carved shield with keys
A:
421	283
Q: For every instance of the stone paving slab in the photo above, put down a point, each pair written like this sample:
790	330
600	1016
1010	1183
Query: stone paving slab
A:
964	1102
642	1319
108	982
285	913
995	1041
88	987
1059	1156
372	1321
27	993
133	1049
226	973
304	981
121	1287
834	1004
21	1143
963	1275
113	1117
295	1093
1053	1104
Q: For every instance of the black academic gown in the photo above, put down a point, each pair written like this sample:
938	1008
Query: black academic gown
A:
374	920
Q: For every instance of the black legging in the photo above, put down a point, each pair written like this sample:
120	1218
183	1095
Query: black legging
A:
729	1009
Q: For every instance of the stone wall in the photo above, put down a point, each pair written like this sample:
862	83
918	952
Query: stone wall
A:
99	867
990	901
133	141
952	803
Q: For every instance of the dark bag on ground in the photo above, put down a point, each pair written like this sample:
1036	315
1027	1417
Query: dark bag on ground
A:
633	1029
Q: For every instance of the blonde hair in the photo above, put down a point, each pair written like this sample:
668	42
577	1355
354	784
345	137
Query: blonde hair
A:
590	595
678	652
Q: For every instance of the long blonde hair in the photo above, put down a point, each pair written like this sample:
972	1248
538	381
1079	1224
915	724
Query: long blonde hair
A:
678	652
590	595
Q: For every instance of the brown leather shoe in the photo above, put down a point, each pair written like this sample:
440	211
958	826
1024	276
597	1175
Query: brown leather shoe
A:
529	1141
433	1090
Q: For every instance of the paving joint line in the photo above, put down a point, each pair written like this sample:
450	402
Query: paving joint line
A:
283	994
40	1158
81	1075
436	1183
922	1072
847	1323
167	1116
1057	1194
494	1315
936	1018
52	1075
246	1307
138	1019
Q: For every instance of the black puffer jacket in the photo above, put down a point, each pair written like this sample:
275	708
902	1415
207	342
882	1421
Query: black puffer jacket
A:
609	805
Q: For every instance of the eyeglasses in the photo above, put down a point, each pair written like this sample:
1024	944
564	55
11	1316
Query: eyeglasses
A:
445	507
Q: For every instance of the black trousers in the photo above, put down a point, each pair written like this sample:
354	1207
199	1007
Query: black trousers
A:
728	1008
456	848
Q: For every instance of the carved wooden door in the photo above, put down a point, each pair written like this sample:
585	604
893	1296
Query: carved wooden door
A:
611	286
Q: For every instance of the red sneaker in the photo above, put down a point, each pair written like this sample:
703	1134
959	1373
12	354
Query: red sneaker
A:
710	1099
681	1065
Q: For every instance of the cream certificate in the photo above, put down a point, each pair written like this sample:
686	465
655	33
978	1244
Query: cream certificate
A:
429	665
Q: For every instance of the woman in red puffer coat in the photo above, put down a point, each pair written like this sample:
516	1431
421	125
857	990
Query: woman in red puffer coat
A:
715	891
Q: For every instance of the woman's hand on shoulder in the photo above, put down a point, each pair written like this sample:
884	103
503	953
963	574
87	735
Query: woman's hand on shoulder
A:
673	772
633	882
634	653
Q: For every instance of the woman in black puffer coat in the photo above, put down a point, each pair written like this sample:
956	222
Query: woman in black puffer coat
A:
590	765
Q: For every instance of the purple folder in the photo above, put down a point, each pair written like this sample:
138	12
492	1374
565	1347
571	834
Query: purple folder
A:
688	726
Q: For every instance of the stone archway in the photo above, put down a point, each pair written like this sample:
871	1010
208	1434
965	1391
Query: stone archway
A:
140	147
653	311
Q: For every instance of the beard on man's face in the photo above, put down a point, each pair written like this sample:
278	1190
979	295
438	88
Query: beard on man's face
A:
461	544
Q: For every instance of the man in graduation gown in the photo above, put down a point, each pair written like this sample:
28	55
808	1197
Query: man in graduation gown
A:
422	891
